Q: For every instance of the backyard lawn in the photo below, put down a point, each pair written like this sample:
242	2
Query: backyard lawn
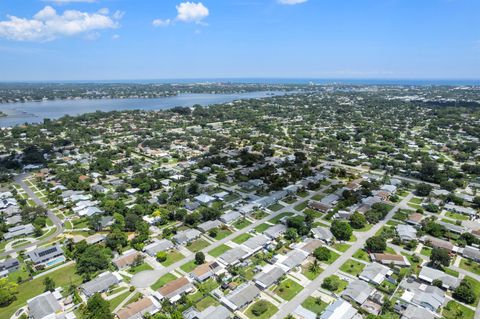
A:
454	310
62	277
288	289
206	302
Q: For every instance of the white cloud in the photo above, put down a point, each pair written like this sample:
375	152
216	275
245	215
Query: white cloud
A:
186	12
191	12
291	2
48	25
116	36
162	23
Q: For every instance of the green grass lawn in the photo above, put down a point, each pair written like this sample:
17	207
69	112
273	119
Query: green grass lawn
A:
262	227
456	216
242	223
475	286
276	219
318	197
362	255
172	257
301	206
470	266
188	267
426	251
342	247
275	207
197	245
219	250
288	289
454	310
416	200
222	233
451	272
62	277
309	274
241	238
206	302
365	228
315	305
271	310
162	281
118	299
342	284
333	257
139	268
352	267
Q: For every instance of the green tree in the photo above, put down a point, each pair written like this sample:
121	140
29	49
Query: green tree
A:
259	308
161	256
8	290
376	244
440	257
199	258
341	230
97	308
423	189
357	220
322	253
49	284
464	292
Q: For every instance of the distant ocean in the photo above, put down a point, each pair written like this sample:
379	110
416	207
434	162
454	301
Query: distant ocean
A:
324	81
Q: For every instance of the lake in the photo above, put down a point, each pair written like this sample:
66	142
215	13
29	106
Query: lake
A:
36	112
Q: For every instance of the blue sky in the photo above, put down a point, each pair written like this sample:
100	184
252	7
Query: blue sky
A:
165	39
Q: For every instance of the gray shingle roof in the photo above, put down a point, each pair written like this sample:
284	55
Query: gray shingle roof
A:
99	284
43	305
358	290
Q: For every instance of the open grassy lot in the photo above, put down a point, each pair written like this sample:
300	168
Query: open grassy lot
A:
275	207
221	233
454	310
241	238
352	267
165	279
315	305
219	250
362	255
62	277
172	257
342	247
241	223
271	310
470	266
301	206
188	267
262	227
197	245
288	289
139	268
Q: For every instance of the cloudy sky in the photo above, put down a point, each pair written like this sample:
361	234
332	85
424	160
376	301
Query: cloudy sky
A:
165	39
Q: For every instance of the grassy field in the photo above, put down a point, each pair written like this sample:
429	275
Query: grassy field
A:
454	310
219	250
352	267
362	255
241	238
314	305
271	310
139	268
471	266
62	277
197	245
262	227
165	279
172	257
242	223
288	289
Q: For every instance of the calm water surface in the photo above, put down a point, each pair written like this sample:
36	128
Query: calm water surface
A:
36	112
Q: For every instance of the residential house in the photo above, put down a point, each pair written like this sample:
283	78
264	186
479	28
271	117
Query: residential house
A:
323	234
208	225
256	243
174	290
9	265
101	283
44	306
276	231
241	296
389	259
438	243
137	309
186	236
358	291
426	296
157	246
127	259
206	271
430	275
46	255
469	252
233	256
270	275
340	309
414	220
230	217
406	232
375	273
211	312
22	230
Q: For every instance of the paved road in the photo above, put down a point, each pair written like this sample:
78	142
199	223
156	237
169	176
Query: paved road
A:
56	221
145	279
291	305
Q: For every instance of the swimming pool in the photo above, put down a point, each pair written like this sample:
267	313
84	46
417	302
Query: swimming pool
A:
55	261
